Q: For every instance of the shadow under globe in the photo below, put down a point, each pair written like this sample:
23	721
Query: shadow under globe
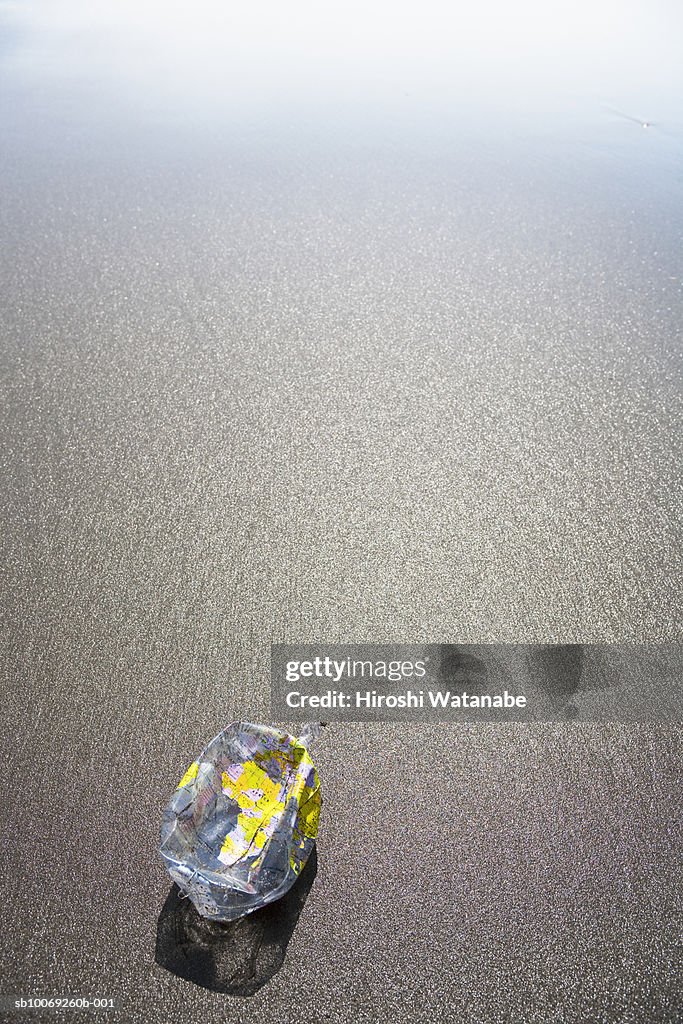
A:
236	958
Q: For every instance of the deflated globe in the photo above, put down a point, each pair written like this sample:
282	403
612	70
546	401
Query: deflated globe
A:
239	828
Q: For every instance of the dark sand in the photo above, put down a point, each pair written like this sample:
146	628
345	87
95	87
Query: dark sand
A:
412	382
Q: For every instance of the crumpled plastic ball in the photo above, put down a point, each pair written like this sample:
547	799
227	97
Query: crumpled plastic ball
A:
243	821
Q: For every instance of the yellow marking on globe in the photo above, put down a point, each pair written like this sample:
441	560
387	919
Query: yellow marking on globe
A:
258	797
262	801
189	775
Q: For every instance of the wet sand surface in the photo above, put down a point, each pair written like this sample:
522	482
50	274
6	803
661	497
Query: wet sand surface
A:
406	380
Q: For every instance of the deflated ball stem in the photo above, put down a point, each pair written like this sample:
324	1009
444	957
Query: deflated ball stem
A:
310	732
